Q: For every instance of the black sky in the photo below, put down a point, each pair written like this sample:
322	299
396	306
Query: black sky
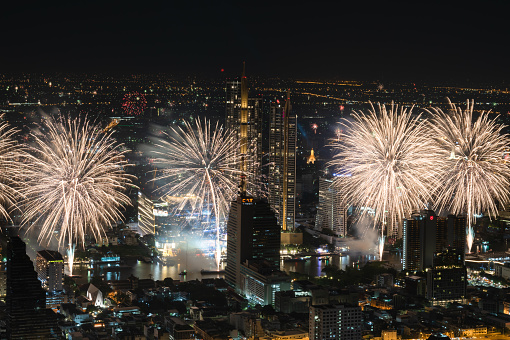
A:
338	39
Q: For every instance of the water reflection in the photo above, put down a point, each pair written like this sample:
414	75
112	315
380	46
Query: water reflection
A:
186	261
315	265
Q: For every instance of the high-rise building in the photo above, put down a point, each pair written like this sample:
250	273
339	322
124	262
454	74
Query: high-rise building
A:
244	115
447	279
426	234
419	238
27	317
252	234
282	163
50	269
411	245
330	322
332	211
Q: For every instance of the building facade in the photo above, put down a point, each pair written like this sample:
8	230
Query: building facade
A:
244	116
447	280
332	211
252	234
330	322
49	265
282	163
426	234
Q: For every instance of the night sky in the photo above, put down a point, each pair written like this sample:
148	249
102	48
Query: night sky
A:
349	40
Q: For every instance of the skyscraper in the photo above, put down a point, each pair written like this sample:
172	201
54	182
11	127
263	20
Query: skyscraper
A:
447	280
26	300
331	212
243	115
50	269
426	234
252	234
282	163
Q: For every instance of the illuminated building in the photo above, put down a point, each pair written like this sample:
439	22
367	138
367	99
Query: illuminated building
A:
50	269
330	322
243	115
331	212
260	281
447	280
282	163
311	158
252	234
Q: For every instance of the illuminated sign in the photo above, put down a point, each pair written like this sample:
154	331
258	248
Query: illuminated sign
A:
431	218
247	200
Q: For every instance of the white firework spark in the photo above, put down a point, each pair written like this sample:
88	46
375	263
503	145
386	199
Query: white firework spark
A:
74	182
476	176
391	162
10	168
201	167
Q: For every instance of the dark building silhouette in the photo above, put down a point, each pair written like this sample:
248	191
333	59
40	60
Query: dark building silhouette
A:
252	234
27	317
447	279
426	234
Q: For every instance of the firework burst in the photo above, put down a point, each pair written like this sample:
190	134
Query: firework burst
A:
74	182
387	162
200	166
476	176
10	170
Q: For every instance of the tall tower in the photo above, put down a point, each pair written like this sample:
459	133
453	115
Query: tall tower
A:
243	115
282	163
332	211
252	234
426	234
26	300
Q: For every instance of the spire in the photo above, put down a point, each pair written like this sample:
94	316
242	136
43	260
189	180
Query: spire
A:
288	107
244	70
311	159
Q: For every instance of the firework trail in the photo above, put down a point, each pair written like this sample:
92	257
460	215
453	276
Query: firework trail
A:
10	168
74	182
200	166
476	176
387	162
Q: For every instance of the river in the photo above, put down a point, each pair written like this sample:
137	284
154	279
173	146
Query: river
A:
193	263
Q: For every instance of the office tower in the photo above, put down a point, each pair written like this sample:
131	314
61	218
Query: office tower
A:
282	163
252	234
447	279
426	234
330	322
411	245
332	211
420	240
244	115
26	299
50	269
